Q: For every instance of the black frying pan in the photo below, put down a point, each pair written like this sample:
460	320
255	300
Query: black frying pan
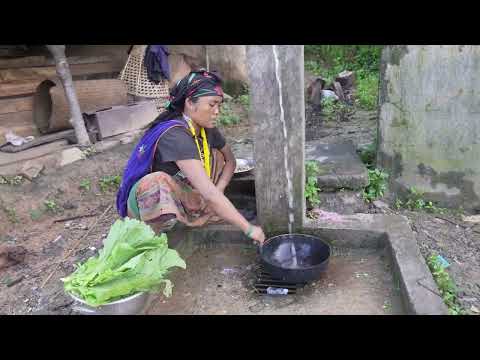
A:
295	258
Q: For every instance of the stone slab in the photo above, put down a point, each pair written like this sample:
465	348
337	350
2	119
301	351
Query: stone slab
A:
340	165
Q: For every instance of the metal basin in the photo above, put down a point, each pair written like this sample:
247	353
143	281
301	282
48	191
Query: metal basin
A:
295	257
244	166
131	305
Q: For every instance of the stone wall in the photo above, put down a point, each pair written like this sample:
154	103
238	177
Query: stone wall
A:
429	121
228	60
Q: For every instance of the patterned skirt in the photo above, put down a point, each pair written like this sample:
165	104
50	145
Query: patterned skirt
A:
162	200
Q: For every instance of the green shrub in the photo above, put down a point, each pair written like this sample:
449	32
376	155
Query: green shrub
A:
311	185
110	182
335	110
244	100
51	206
85	185
368	155
367	90
446	285
377	185
227	116
415	201
329	60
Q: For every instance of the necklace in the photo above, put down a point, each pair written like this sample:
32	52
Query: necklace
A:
205	158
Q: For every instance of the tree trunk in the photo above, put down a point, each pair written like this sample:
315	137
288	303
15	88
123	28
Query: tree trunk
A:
63	72
346	79
338	91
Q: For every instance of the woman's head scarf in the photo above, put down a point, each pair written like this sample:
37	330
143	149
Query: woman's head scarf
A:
194	85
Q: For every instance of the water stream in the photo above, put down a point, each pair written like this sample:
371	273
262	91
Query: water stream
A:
285	142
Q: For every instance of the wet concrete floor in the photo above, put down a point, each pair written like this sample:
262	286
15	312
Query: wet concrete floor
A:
220	281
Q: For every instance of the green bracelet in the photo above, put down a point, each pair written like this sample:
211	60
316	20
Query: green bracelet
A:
249	231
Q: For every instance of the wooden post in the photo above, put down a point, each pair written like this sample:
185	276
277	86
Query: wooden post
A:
278	114
63	72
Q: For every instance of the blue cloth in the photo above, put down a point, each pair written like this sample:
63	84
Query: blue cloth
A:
140	162
156	63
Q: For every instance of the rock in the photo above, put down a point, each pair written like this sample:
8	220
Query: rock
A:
473	218
11	255
68	205
329	94
69	156
106	145
474	309
316	85
314	93
31	169
380	204
127	139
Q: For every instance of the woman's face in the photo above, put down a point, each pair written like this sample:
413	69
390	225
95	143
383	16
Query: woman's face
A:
205	111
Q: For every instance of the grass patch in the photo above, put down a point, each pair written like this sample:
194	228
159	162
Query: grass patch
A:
36	214
244	100
107	183
368	155
415	202
11	214
311	185
85	185
446	285
377	185
335	110
367	90
364	60
9	211
227	116
52	207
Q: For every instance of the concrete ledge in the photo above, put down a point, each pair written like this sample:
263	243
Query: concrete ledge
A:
392	232
339	164
419	290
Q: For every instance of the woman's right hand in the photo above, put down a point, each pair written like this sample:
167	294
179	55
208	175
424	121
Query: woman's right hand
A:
257	234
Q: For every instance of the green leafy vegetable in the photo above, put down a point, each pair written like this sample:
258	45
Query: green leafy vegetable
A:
133	259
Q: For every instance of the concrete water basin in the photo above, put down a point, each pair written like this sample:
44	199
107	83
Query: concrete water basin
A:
375	268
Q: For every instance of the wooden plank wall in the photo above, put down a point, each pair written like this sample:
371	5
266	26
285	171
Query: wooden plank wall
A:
19	78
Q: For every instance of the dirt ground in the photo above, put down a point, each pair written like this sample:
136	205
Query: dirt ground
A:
24	221
459	243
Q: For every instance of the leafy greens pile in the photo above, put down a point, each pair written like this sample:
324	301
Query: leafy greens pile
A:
133	259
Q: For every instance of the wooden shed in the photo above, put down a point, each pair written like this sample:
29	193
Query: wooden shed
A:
24	68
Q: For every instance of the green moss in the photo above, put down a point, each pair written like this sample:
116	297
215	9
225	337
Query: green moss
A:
402	122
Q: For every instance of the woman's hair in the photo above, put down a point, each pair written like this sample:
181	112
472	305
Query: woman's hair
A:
170	114
196	84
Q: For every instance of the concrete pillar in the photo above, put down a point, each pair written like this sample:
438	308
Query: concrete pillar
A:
277	113
429	121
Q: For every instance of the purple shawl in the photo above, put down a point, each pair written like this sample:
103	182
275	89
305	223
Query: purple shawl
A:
140	162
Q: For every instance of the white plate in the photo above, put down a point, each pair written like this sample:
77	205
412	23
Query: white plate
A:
243	165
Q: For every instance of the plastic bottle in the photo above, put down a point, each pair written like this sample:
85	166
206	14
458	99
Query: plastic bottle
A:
276	291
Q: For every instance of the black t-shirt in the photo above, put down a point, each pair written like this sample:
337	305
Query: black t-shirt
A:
178	143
